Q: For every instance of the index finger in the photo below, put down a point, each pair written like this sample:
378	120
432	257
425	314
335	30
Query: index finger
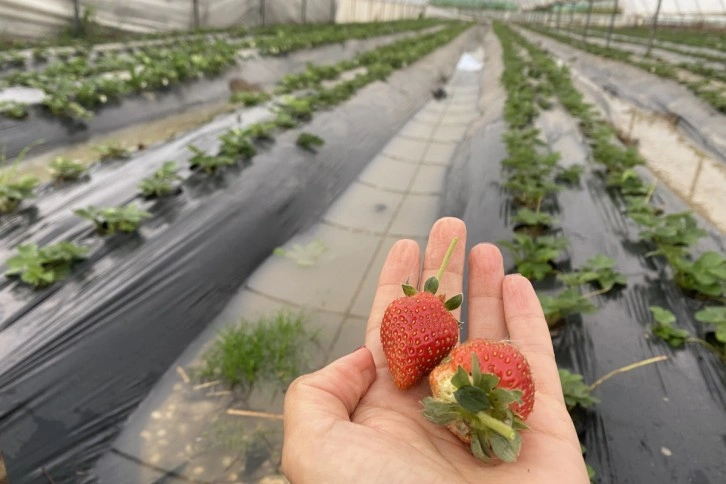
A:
402	264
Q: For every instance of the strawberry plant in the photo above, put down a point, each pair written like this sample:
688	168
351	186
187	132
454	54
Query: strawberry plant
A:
598	270
41	267
627	182
636	206
14	190
300	109
663	328
309	142
261	131
534	256
249	98
285	121
705	276
530	191
111	220
566	303
13	110
161	183
236	145
532	222
112	151
576	391
483	392
570	176
207	163
715	316
63	170
418	329
676	229
60	104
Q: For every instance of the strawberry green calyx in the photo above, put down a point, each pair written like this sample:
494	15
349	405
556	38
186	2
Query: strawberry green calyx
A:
432	283
478	411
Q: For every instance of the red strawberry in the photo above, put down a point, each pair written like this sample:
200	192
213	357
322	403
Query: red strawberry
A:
483	392
418	331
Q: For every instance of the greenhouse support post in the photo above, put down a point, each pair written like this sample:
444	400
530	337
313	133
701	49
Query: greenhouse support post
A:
572	15
332	11
304	12
262	12
195	13
559	14
587	21
653	28
76	17
612	24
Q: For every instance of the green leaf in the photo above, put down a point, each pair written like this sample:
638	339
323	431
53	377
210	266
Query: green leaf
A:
409	290
440	413
575	391
460	378
477	449
431	285
662	315
721	333
713	315
506	450
454	302
488	381
472	399
501	398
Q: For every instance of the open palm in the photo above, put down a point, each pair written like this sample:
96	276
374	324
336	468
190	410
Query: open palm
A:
349	423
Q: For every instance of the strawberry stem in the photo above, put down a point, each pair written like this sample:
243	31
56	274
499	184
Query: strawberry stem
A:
497	425
445	262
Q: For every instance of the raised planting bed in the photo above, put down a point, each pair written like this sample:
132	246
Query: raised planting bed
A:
85	97
693	117
637	425
123	315
714	96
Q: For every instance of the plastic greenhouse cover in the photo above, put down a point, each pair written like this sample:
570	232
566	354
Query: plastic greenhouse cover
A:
79	356
41	18
661	423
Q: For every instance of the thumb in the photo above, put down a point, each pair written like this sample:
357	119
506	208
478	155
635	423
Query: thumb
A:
314	403
331	393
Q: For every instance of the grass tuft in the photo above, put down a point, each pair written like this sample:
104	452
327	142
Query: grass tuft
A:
273	349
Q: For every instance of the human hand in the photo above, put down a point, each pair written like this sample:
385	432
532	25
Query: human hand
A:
349	423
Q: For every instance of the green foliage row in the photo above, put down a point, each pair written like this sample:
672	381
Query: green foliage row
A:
532	175
671	236
77	86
